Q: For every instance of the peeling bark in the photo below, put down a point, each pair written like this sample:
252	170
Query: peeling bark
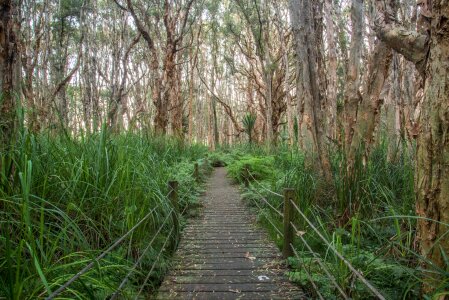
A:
353	96
308	81
430	53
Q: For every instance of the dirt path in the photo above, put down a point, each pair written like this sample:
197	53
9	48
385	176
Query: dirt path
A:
224	255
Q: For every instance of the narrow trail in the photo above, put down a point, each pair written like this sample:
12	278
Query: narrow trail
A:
224	255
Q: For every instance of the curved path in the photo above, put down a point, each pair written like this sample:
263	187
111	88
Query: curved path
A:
224	255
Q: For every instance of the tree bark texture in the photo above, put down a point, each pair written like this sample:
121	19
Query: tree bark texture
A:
9	71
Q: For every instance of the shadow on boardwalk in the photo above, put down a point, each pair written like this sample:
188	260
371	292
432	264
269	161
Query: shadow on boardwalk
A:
223	255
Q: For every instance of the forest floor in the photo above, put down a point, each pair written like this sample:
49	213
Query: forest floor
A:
223	254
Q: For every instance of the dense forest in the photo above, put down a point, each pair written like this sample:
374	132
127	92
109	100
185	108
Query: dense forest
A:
102	102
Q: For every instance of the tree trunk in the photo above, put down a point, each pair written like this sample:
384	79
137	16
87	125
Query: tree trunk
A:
368	114
430	53
308	82
432	178
331	71
352	96
290	125
60	68
9	71
193	59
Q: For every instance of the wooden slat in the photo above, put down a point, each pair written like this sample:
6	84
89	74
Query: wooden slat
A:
224	279
228	295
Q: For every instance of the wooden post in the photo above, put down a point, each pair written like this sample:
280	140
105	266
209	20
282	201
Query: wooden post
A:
173	196
206	161
196	173
289	196
246	175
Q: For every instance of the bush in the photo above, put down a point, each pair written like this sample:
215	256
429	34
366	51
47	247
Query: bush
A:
260	168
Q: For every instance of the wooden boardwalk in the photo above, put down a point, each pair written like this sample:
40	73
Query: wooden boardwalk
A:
224	255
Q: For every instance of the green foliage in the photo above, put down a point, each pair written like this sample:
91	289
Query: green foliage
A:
259	168
218	159
249	120
374	239
65	200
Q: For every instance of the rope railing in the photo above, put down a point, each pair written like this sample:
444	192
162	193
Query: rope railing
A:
290	207
154	264
173	197
125	280
99	257
309	277
269	219
319	261
160	251
345	261
262	186
278	212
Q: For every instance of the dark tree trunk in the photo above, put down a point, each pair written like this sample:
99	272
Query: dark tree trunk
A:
9	71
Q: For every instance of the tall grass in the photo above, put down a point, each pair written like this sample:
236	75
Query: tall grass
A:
63	200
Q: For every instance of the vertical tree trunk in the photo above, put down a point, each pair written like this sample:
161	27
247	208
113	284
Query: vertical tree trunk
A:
352	96
213	83
432	177
60	68
268	100
210	113
193	59
308	88
394	110
368	114
9	71
429	51
290	125
331	98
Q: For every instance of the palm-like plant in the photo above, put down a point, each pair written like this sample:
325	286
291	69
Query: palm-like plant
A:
249	121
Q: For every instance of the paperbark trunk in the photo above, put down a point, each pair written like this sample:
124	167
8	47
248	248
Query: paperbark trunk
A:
430	53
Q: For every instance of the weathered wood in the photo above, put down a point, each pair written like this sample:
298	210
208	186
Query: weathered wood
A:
289	196
196	173
224	255
217	256
221	279
246	175
223	287
228	250
213	273
225	246
230	295
173	196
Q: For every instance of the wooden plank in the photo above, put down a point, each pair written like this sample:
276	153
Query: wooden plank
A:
233	251
221	287
225	240
224	266
212	255
187	260
205	273
224	279
227	295
247	247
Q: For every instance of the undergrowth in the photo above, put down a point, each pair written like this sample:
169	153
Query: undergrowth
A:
64	200
368	218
